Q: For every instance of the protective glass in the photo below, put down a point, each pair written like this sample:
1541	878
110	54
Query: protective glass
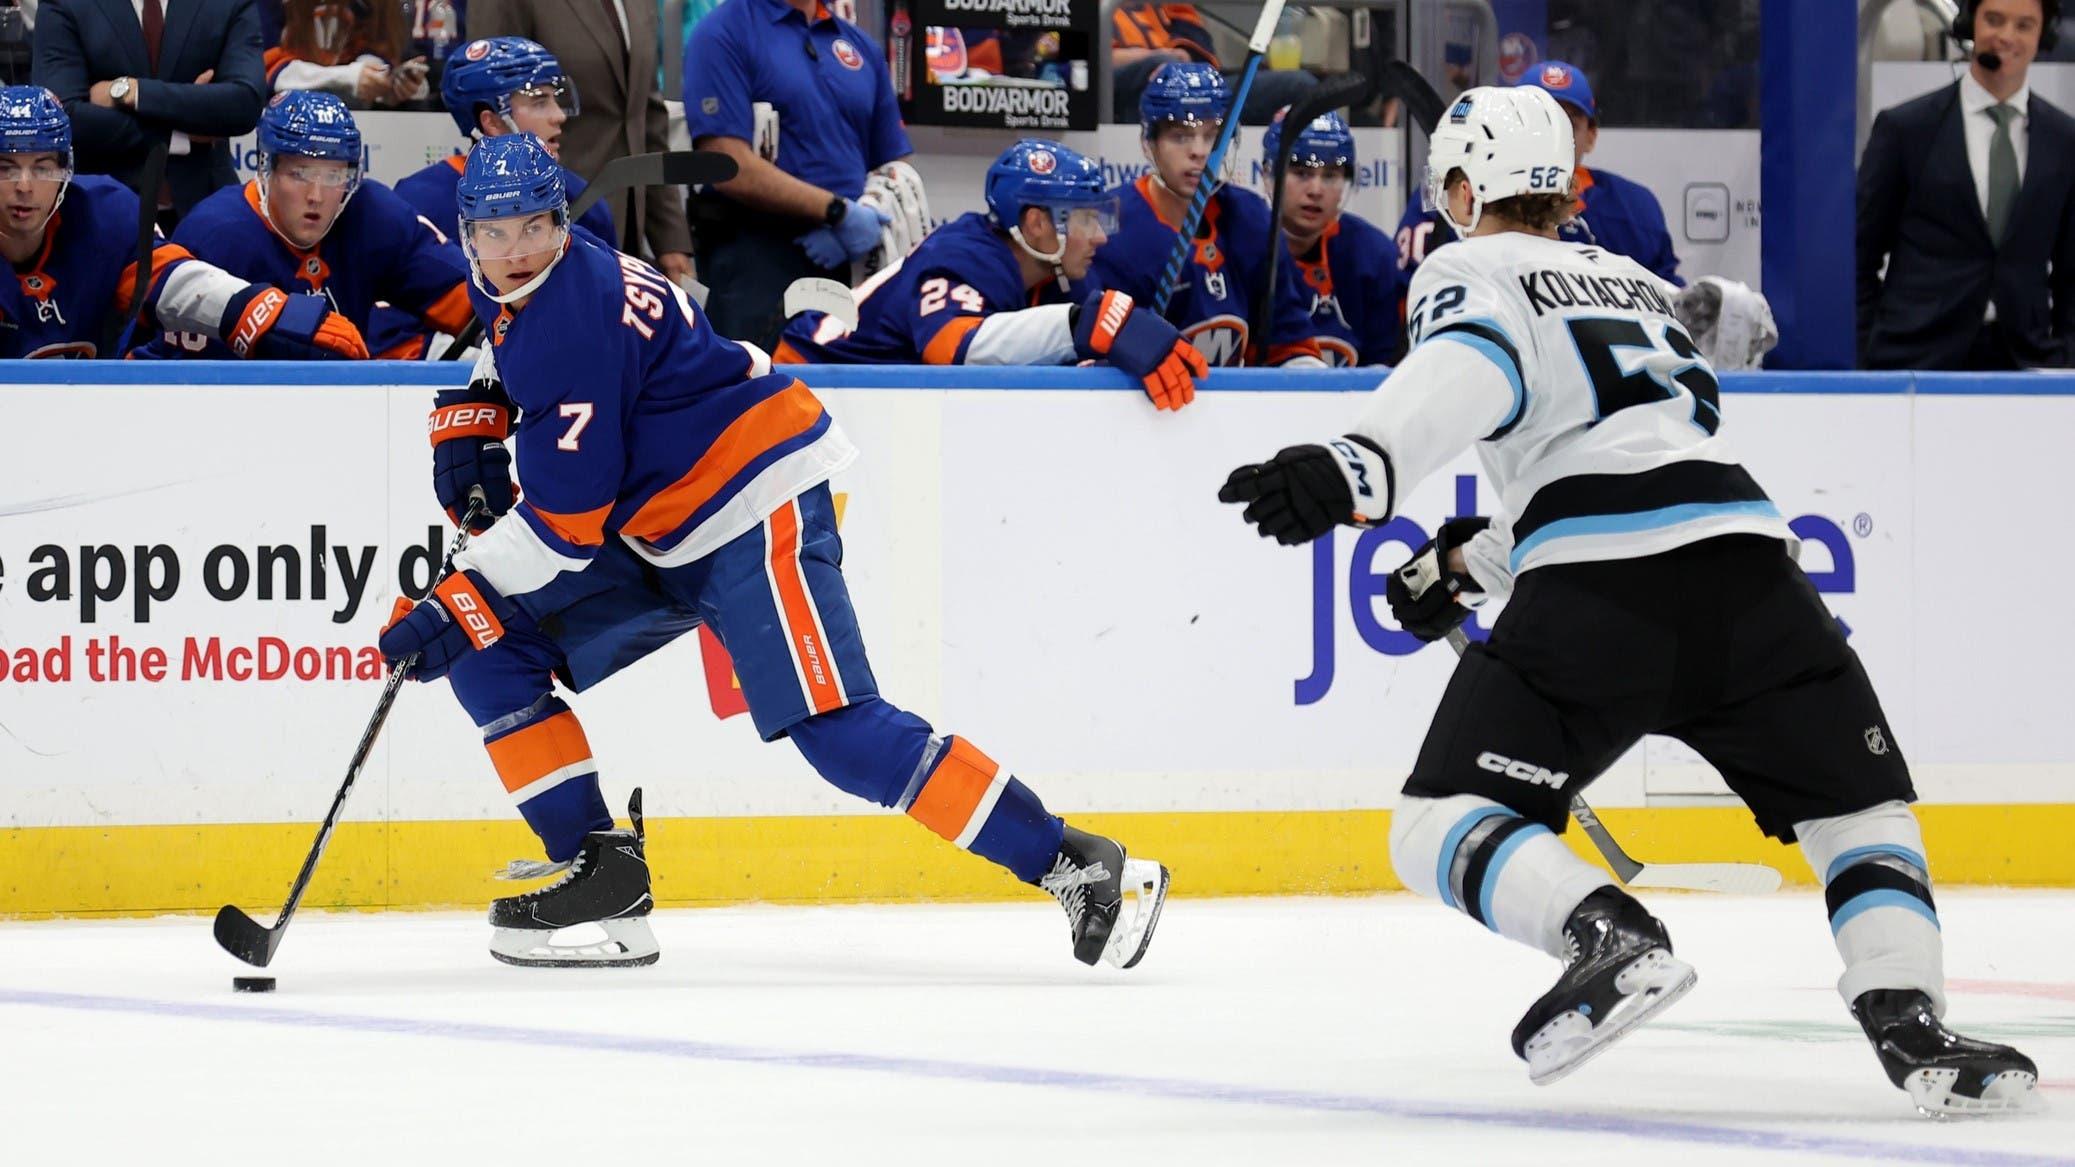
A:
515	237
42	170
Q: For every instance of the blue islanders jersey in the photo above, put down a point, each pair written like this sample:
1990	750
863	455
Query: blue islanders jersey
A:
925	309
69	300
637	421
378	249
1349	286
1617	215
1229	262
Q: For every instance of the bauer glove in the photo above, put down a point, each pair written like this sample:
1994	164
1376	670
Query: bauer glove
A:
1305	491
1112	327
468	428
266	322
1428	598
463	613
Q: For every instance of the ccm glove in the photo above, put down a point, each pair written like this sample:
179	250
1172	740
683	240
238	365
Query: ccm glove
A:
1305	491
1428	599
1112	327
468	430
462	614
266	322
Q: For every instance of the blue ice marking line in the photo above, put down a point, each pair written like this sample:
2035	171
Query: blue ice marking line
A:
1172	1089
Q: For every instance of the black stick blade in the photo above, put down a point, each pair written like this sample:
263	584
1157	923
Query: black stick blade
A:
1422	103
245	938
696	168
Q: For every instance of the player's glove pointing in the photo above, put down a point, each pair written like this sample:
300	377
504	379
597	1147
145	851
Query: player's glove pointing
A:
1112	327
1428	597
468	454
268	323
462	614
1305	491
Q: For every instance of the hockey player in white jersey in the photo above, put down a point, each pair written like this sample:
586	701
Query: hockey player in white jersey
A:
1652	590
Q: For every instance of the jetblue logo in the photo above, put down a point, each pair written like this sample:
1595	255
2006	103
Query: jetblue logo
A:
1527	772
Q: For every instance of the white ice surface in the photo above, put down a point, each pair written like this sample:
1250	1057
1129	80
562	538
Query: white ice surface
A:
1318	1031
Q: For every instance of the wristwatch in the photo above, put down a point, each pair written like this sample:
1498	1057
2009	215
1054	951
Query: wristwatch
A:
120	88
835	211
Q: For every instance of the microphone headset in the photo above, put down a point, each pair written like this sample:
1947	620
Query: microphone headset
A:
2049	31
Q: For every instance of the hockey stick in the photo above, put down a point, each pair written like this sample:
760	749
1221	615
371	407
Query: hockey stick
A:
1185	237
817	294
240	934
1422	104
1735	878
663	168
148	180
1351	89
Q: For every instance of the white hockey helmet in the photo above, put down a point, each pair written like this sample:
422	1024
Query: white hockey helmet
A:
1506	141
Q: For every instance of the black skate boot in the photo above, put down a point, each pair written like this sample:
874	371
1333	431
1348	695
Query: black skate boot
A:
1944	1073
1090	877
606	885
1621	973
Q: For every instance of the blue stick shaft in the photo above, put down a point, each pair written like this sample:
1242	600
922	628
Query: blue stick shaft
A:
1186	238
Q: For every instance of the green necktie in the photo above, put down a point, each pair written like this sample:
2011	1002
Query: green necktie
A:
2002	171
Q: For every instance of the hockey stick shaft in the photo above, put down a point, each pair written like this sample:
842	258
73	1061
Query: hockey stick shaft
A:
1185	237
1349	90
149	180
1723	877
235	931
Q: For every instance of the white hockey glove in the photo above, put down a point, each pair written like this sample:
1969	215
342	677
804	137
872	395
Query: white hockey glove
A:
896	188
1731	323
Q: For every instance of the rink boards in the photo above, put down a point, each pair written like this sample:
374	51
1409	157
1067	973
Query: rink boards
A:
191	576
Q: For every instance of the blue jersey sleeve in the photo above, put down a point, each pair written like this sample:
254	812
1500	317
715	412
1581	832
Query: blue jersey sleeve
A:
1654	239
716	81
423	272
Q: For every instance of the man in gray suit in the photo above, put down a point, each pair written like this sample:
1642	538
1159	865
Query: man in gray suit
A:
608	50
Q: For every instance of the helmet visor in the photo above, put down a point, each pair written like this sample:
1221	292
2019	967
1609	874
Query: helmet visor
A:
1084	221
32	168
546	94
515	237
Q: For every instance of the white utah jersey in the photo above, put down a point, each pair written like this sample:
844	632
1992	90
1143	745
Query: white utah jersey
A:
1594	413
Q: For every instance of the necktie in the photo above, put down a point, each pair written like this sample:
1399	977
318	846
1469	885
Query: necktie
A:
154	31
2002	172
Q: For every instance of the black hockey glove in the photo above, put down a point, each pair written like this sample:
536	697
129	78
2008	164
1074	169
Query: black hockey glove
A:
1305	491
1424	594
468	429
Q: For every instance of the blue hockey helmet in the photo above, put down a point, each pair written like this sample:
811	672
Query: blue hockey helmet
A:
33	121
1184	93
1326	142
307	124
511	176
1036	172
491	71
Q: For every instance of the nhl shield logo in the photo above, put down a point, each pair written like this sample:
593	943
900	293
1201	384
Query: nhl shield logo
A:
848	54
32	284
312	266
1042	162
1876	741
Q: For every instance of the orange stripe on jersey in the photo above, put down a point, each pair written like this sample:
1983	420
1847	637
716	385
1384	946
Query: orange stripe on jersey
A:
943	347
458	161
545	748
163	256
584	530
954	791
777	418
451	311
403	350
786	354
803	631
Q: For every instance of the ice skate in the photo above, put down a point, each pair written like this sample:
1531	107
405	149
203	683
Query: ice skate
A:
1945	1074
605	886
1090	877
1620	974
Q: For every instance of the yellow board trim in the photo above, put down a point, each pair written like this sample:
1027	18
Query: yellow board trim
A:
150	870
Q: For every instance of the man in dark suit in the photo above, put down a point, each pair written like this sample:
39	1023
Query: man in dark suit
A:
1968	194
608	51
136	72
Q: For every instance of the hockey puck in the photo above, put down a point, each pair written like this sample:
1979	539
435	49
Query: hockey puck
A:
253	984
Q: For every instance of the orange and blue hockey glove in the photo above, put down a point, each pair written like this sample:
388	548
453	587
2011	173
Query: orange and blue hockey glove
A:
1111	327
267	323
463	613
468	428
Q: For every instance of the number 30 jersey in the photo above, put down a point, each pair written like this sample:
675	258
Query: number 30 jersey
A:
1594	413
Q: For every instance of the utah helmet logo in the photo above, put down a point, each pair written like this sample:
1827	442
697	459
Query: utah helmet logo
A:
848	54
1460	112
1042	162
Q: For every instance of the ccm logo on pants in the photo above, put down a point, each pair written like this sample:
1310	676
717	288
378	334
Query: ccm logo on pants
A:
1525	771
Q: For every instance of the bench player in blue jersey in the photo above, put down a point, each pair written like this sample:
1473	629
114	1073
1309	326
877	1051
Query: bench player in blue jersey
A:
311	222
72	242
1613	212
1347	270
1179	116
672	479
491	87
991	289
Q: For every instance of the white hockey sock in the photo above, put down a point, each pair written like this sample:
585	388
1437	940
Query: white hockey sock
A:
1878	888
1511	875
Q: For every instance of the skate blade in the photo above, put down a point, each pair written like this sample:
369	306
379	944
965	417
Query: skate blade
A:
1145	890
2009	1092
627	943
1650	984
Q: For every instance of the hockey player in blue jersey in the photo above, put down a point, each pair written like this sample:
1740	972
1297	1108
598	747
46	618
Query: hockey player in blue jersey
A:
1179	115
1348	282
991	289
312	223
72	242
672	478
1613	212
